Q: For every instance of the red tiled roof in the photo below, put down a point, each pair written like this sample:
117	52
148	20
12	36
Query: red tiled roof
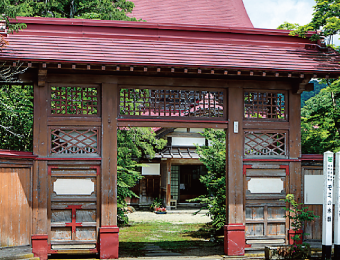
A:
229	13
137	43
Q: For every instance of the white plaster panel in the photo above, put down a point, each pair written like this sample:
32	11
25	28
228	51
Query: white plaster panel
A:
313	189
151	169
265	185
187	141
73	187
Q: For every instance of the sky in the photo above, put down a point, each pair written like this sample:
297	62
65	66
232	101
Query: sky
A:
271	13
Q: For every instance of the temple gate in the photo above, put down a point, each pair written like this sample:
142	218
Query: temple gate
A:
91	77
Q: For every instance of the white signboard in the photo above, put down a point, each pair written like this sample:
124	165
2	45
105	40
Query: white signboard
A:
337	200
151	169
73	186
328	199
265	185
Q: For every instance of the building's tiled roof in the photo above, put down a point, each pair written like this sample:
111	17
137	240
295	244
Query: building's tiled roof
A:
229	13
144	44
178	153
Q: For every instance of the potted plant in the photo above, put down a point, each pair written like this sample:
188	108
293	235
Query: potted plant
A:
160	210
298	216
157	203
295	249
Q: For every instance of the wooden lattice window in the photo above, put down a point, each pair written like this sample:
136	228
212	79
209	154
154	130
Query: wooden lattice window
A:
77	142
265	105
74	101
265	144
193	104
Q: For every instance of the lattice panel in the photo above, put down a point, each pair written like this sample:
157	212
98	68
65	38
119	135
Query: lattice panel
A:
74	101
73	141
265	105
171	103
266	144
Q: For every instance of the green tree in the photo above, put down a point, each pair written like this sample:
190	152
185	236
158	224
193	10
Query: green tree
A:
326	18
86	9
133	144
306	95
16	117
214	157
288	26
320	122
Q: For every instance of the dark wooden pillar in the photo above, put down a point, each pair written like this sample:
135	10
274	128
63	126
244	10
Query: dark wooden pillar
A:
108	233
40	174
234	240
295	177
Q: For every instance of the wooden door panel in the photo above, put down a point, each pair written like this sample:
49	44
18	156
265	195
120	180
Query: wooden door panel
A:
264	213
74	207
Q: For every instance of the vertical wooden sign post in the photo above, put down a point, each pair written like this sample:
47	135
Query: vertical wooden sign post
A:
337	207
327	205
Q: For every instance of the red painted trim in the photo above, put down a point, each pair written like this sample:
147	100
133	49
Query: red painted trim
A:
170	120
50	169
56	251
245	167
68	159
74	224
235	227
40	246
109	229
272	160
97	168
311	157
16	154
234	239
39	237
286	167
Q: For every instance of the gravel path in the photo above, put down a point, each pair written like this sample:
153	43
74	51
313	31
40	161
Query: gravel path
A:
175	216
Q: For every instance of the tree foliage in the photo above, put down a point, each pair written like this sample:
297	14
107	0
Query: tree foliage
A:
318	85
288	26
133	144
16	117
320	122
326	17
86	9
214	158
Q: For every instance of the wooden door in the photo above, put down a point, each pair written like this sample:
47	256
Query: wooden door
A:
74	207
15	205
264	213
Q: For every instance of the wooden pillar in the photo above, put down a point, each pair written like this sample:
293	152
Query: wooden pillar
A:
40	174
108	233
234	231
168	184
295	176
